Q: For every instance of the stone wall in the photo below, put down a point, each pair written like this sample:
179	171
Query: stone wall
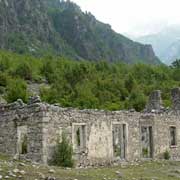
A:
155	102
176	99
99	133
162	135
98	137
12	118
161	124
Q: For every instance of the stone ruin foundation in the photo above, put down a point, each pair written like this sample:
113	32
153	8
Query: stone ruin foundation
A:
98	137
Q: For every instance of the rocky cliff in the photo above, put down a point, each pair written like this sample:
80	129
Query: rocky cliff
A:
60	27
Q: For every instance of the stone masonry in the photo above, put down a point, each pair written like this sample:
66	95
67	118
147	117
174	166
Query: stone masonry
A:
176	98
98	137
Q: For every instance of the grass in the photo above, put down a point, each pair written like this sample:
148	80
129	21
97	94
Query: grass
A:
156	170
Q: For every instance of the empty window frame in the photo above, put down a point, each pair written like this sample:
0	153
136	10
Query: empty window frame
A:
79	137
173	138
147	141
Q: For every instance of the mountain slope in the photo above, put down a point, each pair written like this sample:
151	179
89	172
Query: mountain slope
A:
165	43
172	52
26	28
61	28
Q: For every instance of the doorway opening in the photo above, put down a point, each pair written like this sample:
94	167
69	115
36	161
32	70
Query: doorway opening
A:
147	141
119	140
22	140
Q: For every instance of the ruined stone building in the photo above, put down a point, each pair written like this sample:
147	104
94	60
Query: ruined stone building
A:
97	136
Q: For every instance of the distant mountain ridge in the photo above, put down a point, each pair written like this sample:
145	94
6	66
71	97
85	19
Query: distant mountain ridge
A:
61	28
166	43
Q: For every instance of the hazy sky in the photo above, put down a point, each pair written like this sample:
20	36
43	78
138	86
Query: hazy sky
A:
134	16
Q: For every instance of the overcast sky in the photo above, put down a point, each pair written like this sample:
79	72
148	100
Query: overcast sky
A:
136	17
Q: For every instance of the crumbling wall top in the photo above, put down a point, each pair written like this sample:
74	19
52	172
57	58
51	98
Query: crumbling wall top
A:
154	106
155	102
19	104
175	93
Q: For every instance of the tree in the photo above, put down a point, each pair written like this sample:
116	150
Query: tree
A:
137	100
63	153
176	63
130	83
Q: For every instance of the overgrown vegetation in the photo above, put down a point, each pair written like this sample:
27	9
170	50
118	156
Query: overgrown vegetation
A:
145	152
167	155
117	151
83	84
63	153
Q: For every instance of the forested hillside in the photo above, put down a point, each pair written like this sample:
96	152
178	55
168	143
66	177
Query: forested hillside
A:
85	84
60	27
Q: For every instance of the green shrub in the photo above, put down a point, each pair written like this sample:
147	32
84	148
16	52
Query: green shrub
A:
48	69
3	79
4	63
137	100
63	153
117	151
16	89
145	152
82	84
167	155
2	90
24	71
